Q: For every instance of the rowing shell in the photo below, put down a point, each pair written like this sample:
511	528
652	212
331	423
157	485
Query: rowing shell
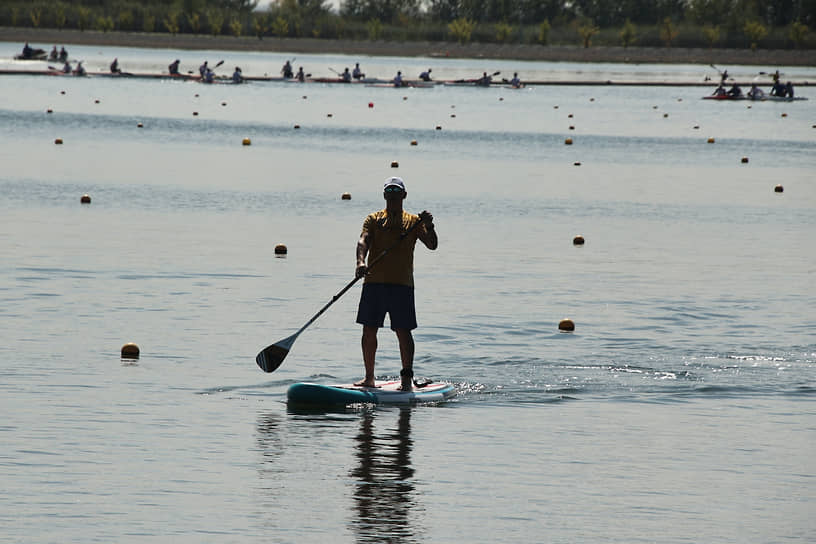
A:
386	392
766	98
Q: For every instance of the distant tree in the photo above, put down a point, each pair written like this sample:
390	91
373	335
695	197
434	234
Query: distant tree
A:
712	34
83	17
374	28
798	33
236	27
280	27
754	31
171	22
544	32
586	31
503	32
215	18
628	33
261	23
668	33
36	16
462	29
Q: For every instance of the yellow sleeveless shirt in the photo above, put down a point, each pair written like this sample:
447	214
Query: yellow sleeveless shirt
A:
384	230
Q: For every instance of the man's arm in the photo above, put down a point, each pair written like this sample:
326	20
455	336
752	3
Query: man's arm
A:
362	251
428	232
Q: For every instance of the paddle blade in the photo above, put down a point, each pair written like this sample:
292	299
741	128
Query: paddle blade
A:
271	357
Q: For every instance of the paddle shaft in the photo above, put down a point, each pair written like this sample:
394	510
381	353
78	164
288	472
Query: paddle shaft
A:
348	286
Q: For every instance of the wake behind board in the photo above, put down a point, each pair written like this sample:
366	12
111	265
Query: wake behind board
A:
386	392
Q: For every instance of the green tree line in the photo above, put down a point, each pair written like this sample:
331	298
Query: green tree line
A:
668	23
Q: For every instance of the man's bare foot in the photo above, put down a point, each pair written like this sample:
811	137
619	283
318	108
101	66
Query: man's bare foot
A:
406	386
364	383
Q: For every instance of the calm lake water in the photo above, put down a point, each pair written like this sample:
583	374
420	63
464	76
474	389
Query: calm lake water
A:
682	408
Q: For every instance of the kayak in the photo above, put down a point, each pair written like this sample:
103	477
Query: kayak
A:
386	392
405	84
766	98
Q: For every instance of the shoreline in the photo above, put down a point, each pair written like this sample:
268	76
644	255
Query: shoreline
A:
551	53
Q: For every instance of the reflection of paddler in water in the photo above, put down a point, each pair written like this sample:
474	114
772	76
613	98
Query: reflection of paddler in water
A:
384	492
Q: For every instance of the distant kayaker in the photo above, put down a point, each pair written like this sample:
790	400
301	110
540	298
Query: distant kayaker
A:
515	82
756	93
209	76
398	80
389	286
789	89
357	73
734	91
719	91
28	51
203	69
54	55
79	70
66	68
174	67
114	67
485	80
300	75
346	76
426	75
778	89
286	71
63	56
237	75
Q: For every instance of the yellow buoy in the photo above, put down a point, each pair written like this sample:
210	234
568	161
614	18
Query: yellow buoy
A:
85	199
779	189
567	325
246	141
711	140
130	351
394	164
345	196
413	142
568	141
58	141
281	249
578	240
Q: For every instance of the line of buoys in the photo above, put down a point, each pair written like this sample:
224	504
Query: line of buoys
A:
246	141
130	351
281	249
58	141
85	199
578	240
566	325
345	196
779	189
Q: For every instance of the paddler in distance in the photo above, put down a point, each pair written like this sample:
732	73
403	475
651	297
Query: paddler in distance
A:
173	68
346	76
357	73
388	287
286	71
426	75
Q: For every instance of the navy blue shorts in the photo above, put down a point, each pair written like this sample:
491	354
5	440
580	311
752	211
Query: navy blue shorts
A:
378	299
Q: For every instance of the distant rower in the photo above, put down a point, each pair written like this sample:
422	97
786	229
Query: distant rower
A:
357	73
426	75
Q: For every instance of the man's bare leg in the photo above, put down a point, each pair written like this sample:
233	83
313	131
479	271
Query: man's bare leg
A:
369	345
406	346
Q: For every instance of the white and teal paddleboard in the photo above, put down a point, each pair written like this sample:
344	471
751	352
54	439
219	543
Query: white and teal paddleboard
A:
386	392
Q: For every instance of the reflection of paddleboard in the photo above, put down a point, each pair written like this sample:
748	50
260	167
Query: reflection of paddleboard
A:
384	393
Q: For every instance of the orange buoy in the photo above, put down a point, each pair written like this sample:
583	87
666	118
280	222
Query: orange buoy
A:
345	196
779	189
413	142
569	116
578	240
744	160
49	110
711	140
130	351
566	325
246	141
195	113
58	141
297	126
139	125
96	101
371	104
85	199
438	127
394	164
568	141
281	249
572	127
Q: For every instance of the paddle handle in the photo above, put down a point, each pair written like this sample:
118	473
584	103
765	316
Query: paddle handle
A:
349	285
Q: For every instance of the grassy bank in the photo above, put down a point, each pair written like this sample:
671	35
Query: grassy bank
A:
45	38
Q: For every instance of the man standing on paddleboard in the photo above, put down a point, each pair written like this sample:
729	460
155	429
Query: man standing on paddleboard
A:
389	286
